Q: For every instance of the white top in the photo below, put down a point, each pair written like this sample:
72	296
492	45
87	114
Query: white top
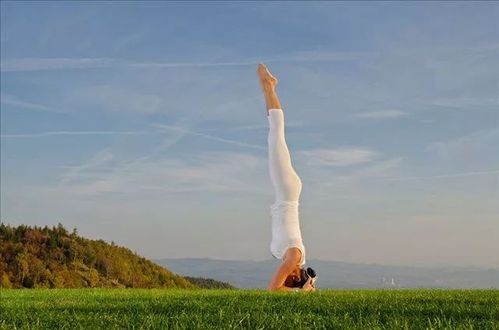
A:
286	229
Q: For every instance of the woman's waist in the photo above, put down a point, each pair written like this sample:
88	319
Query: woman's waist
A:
279	245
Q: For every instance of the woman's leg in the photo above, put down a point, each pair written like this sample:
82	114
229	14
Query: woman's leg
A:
286	182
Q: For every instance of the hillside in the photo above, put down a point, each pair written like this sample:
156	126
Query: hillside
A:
35	257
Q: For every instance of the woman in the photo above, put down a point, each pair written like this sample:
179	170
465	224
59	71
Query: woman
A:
286	235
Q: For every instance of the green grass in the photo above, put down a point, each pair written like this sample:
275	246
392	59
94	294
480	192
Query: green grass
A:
219	309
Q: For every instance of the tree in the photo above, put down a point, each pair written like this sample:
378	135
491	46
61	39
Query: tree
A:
52	257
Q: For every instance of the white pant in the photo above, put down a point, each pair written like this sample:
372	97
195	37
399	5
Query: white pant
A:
287	186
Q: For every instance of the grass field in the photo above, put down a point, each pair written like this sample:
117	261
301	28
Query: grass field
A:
219	309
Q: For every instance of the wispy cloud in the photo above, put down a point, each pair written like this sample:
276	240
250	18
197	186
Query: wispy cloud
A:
13	101
264	126
39	64
446	176
344	156
190	65
112	98
211	171
77	133
210	137
98	159
208	171
123	168
379	168
376	169
167	143
464	102
465	144
386	114
312	56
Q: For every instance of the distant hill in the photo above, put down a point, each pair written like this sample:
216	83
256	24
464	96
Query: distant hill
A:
332	274
208	283
54	258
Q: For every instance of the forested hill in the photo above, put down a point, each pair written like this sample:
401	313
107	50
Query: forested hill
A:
55	258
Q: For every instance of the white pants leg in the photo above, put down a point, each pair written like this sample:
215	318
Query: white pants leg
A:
287	186
286	182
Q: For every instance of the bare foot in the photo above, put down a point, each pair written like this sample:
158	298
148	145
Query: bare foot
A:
267	80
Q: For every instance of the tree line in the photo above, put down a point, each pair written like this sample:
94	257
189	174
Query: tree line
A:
53	257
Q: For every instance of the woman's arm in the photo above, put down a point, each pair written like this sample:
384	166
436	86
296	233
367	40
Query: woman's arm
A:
291	259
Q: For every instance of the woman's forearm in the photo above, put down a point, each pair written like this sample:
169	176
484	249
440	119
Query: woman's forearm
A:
285	288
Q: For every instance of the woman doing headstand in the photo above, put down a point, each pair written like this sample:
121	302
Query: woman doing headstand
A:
287	243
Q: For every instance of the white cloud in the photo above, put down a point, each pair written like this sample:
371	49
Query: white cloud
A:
338	157
386	114
378	169
466	144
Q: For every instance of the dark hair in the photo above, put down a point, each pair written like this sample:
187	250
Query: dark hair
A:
295	284
304	275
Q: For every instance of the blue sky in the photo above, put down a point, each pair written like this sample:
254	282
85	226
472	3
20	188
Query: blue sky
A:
143	123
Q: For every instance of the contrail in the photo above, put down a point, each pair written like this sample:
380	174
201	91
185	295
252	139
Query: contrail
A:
444	176
180	65
39	64
211	137
97	159
56	133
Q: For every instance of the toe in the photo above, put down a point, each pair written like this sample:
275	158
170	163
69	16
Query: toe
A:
262	69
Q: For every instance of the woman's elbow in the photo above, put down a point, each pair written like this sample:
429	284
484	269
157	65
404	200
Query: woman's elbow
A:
272	287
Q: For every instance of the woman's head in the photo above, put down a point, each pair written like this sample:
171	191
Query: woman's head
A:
294	279
299	276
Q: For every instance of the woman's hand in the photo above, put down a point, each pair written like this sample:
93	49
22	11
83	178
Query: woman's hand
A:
309	286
